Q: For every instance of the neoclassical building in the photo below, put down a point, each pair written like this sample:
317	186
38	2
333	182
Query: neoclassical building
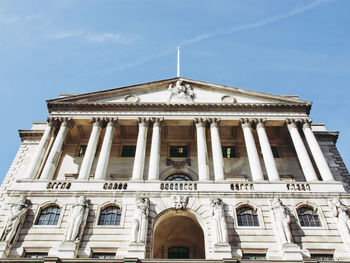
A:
176	169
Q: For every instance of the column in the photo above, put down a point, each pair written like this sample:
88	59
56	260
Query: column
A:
218	159
202	152
253	157
269	160
316	151
40	151
153	172
139	161
52	159
304	159
85	168
103	159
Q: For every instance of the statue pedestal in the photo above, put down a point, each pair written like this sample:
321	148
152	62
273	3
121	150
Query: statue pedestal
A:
137	250
289	251
221	251
342	255
68	249
4	249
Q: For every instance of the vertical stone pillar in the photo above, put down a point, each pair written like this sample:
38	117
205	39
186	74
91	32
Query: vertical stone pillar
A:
253	157
40	151
52	159
202	152
218	159
153	172
316	151
139	161
103	159
85	168
269	160
304	159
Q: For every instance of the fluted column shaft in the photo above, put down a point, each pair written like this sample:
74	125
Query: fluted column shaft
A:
202	152
153	171
40	151
139	161
52	159
316	151
103	159
90	150
303	156
218	159
253	157
269	160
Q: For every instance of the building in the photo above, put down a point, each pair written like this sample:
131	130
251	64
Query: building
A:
176	168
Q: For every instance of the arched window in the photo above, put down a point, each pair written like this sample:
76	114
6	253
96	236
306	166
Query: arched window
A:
110	216
49	215
178	177
308	217
246	216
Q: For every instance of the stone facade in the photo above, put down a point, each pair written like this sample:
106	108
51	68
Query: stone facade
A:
176	169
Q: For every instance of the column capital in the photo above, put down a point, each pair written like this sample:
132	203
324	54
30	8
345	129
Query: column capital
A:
143	122
306	123
214	122
260	123
245	122
65	121
157	121
53	122
98	121
292	123
111	122
200	122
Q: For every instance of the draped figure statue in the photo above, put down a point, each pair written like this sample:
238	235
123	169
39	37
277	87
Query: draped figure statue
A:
77	218
342	213
220	235
140	220
282	222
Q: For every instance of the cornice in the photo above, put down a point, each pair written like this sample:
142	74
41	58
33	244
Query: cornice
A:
327	136
240	107
30	134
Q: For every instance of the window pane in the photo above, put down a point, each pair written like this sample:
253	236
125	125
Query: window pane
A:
178	177
228	151
110	216
35	254
246	216
308	217
128	151
178	151
82	151
275	152
49	216
103	255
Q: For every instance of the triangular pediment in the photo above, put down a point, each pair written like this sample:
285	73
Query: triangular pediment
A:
178	91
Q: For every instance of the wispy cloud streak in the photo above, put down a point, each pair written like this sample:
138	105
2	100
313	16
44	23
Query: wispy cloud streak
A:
65	35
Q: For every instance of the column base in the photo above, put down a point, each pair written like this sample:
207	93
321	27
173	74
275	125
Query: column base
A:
221	251
68	249
138	250
4	249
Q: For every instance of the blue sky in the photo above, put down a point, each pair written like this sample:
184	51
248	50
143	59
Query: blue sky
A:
78	46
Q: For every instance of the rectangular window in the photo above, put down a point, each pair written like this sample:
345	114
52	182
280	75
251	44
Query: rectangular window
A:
322	256
103	255
254	256
128	151
35	254
178	151
229	152
275	152
82	150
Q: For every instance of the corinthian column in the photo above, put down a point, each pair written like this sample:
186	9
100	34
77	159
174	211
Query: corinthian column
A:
103	159
270	163
85	169
139	161
321	162
304	159
218	159
40	151
153	172
52	159
202	152
253	157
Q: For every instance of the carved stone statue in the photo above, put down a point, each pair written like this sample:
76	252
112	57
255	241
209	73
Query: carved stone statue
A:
282	221
181	91
77	217
180	202
15	220
140	220
219	227
342	212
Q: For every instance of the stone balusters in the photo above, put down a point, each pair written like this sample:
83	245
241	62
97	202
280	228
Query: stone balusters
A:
202	152
301	151
218	159
139	161
52	159
41	149
265	146
153	171
101	169
319	158
253	157
91	149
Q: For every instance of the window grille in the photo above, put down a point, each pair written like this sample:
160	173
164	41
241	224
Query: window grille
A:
103	255
178	177
49	215
246	216
308	217
110	216
35	254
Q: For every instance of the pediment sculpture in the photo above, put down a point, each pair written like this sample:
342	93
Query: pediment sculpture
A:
181	91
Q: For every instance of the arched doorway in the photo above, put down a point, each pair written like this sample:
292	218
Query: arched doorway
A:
177	234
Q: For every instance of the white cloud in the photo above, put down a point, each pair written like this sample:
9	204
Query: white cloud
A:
108	37
66	34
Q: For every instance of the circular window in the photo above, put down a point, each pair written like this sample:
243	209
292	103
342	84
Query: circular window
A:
178	177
